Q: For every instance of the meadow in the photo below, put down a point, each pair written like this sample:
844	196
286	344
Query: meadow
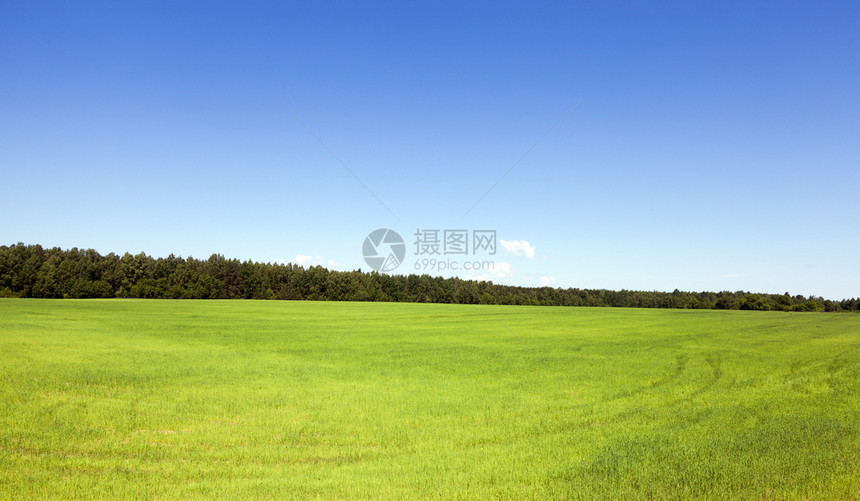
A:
162	399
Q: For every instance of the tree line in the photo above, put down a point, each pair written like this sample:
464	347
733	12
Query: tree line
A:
31	271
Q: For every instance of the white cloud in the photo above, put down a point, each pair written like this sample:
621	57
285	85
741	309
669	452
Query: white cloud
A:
547	281
519	248
308	261
303	260
499	271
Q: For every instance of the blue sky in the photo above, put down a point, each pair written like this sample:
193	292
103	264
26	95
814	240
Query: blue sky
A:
712	147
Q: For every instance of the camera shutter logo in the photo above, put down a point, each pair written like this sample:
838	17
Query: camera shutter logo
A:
384	250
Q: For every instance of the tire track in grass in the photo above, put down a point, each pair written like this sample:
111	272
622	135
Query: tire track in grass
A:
681	361
797	377
837	377
715	362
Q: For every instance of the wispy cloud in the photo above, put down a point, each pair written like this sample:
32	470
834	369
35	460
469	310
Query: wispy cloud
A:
519	248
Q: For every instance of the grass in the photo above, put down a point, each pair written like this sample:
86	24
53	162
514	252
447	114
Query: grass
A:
250	399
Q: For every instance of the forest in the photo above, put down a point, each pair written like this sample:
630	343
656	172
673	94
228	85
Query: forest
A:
31	271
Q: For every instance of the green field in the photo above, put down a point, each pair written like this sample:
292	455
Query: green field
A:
274	399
